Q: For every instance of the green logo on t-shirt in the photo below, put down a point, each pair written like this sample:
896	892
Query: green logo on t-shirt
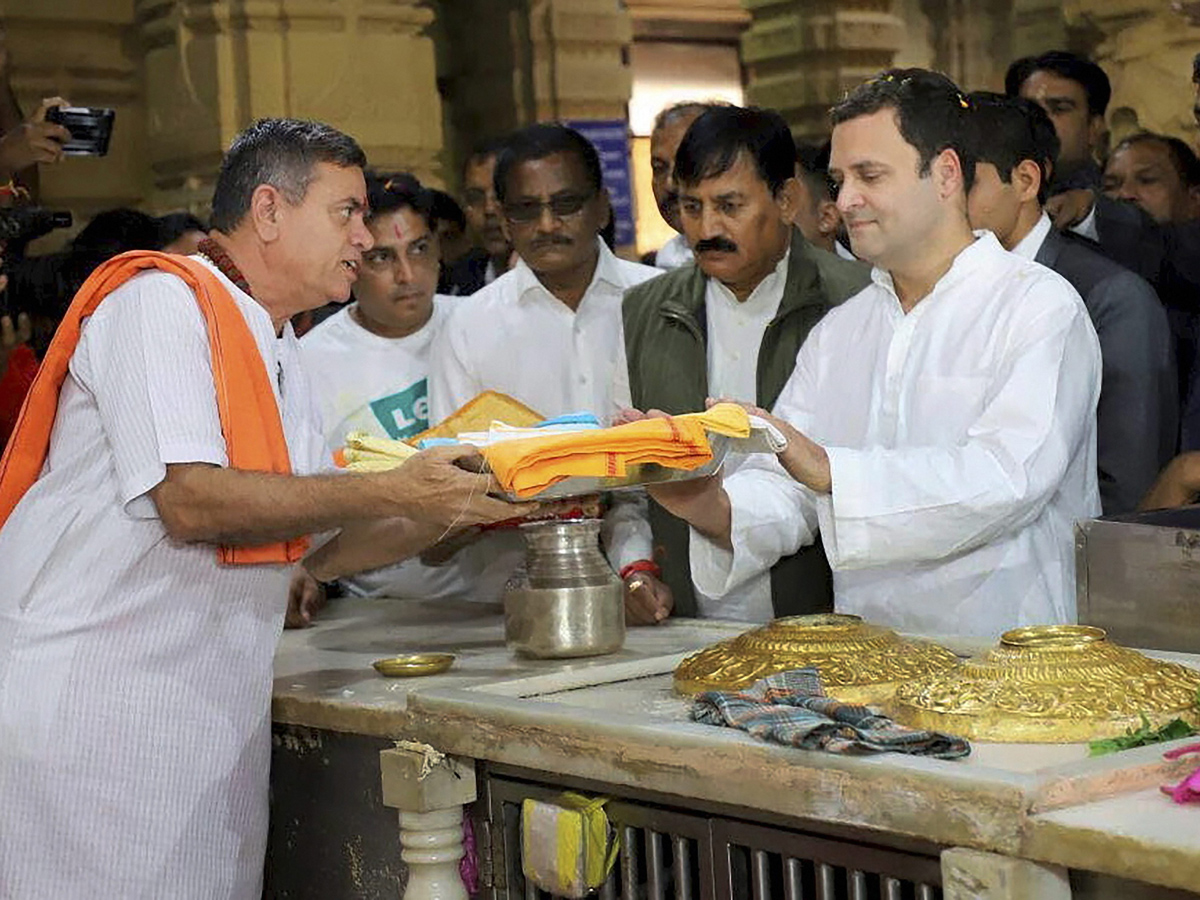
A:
404	414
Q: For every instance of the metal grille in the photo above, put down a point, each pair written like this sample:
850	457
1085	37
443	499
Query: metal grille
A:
669	854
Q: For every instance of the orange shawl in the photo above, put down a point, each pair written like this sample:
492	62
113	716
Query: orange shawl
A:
246	404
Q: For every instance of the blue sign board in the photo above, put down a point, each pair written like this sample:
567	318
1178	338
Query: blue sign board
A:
610	137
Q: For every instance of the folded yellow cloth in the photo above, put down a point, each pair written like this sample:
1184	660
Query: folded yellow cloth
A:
366	453
530	465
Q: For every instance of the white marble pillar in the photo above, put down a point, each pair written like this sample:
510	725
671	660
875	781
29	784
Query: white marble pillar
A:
430	791
976	875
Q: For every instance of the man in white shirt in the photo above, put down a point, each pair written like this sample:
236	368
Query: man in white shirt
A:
730	325
941	423
1138	417
670	125
135	665
548	332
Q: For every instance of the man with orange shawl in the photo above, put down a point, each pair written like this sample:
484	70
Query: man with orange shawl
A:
162	477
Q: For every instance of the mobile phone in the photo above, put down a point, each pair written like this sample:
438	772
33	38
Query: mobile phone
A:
90	127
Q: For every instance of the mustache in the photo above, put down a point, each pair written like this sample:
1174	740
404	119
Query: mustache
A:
722	244
549	239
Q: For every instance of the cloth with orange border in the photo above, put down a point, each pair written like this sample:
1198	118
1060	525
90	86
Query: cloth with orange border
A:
528	466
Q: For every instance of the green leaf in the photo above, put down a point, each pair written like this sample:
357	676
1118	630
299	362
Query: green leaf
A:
1144	736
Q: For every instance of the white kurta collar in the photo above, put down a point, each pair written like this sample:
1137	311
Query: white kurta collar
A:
607	272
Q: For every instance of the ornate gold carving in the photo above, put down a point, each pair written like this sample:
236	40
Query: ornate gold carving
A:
858	662
1050	684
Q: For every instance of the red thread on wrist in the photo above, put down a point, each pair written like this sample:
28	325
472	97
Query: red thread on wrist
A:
641	565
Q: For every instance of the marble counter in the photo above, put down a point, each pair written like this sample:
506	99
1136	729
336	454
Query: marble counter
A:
615	720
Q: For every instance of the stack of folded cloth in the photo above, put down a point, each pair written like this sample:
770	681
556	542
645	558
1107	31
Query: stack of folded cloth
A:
791	708
526	464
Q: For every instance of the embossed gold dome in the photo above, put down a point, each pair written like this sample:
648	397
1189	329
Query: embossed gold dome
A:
1050	684
859	663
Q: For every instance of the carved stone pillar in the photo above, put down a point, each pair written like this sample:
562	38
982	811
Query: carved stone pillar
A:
213	66
1146	48
1038	26
509	63
801	57
82	50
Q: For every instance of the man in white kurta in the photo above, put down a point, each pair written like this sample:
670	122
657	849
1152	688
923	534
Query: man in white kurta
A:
104	619
135	668
941	423
548	332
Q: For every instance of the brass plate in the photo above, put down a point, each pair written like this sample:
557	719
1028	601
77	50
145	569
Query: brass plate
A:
858	662
1050	684
413	665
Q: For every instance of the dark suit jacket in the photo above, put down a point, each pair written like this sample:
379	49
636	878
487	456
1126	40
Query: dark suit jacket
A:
1138	416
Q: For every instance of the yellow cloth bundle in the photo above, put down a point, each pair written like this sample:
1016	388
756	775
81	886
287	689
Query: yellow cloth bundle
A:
567	846
528	466
366	453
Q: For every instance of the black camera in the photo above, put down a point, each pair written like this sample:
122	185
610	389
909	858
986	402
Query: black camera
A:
21	224
90	127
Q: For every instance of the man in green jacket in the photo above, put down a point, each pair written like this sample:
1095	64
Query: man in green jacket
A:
730	324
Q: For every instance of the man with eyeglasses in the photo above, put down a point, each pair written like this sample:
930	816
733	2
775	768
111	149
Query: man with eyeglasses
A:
548	332
490	257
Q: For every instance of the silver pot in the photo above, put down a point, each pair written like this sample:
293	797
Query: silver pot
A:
569	602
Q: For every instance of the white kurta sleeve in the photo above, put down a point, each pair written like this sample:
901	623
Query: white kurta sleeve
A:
144	355
772	515
452	378
925	503
626	530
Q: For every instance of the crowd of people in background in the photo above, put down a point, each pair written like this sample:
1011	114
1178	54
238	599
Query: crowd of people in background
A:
514	286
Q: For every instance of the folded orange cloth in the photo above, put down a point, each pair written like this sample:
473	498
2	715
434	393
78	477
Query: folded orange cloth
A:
246	404
529	465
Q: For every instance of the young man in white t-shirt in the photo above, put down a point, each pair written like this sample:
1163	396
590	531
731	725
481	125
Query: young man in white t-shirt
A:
368	364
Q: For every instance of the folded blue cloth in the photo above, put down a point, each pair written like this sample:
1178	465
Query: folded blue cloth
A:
791	708
436	442
576	418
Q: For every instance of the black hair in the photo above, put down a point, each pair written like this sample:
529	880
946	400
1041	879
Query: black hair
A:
115	231
1196	69
446	209
483	150
1183	158
931	113
714	142
540	141
282	153
1082	71
1008	130
813	164
173	226
390	191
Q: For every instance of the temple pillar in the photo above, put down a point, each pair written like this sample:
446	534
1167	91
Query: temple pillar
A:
508	64
1146	47
802	57
214	66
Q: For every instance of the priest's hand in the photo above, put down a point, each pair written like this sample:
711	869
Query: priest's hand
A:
648	600
449	486
306	596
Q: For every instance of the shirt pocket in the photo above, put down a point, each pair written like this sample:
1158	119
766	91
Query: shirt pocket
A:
944	407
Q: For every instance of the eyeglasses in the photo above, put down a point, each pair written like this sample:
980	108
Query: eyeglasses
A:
561	206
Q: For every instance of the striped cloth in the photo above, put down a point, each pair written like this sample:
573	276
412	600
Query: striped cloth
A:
791	708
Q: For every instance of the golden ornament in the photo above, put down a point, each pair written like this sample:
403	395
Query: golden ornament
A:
1050	684
858	662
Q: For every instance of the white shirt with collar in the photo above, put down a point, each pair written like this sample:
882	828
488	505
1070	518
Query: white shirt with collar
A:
515	337
735	333
1029	245
962	446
